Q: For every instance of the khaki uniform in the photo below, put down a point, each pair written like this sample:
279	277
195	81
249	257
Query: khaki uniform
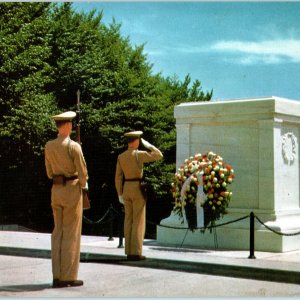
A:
64	157
130	166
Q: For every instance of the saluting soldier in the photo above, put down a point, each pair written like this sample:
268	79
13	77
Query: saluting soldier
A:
128	176
66	166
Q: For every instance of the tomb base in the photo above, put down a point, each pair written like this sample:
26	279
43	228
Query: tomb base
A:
235	236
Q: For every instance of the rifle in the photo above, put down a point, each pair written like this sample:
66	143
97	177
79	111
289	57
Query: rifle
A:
78	118
85	195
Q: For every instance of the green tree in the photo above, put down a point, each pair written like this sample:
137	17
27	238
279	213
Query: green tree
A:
24	73
49	51
24	104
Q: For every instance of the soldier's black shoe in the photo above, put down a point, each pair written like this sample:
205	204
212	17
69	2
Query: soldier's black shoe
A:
71	283
136	257
55	283
60	284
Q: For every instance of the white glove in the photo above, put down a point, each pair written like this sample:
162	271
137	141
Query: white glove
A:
86	187
121	200
146	144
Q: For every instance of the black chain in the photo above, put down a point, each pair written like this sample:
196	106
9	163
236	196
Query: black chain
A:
116	212
88	221
202	228
277	232
226	223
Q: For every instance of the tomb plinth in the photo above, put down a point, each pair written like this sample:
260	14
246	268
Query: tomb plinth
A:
260	139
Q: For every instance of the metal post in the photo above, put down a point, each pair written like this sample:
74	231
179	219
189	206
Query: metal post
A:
111	224
252	256
121	228
120	239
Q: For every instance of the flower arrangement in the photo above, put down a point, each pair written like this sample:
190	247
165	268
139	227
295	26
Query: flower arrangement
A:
215	175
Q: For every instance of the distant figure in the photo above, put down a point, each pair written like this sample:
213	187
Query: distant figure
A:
66	166
128	177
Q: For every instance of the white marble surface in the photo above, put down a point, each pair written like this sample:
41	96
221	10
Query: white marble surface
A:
260	139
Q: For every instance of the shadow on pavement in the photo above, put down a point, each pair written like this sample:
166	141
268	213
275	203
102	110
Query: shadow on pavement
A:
239	271
227	270
25	287
179	250
102	260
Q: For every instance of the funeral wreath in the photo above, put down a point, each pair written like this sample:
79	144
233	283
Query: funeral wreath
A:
208	172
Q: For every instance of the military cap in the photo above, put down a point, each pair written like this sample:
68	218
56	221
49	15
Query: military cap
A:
66	116
133	134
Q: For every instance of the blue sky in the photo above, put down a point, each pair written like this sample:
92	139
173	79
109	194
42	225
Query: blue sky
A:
238	49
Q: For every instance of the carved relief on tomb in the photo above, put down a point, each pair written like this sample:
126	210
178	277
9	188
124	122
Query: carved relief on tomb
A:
289	147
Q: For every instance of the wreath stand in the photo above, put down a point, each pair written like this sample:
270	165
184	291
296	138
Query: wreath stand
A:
200	199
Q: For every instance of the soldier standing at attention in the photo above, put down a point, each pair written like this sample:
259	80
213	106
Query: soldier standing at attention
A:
129	173
66	166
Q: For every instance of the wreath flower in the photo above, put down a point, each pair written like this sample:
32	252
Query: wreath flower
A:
210	172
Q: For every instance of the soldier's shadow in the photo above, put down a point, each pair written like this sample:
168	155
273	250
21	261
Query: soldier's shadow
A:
25	287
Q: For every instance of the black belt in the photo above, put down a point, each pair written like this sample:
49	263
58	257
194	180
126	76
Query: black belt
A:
134	179
71	178
61	179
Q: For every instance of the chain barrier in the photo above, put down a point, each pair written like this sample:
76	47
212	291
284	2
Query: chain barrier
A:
213	228
201	228
116	211
274	231
90	222
111	210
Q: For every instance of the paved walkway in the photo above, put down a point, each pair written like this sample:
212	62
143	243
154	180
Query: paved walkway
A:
167	271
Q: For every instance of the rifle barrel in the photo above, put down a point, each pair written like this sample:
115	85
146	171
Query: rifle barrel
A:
78	118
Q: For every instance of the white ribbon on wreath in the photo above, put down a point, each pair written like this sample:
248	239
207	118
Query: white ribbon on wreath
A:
200	199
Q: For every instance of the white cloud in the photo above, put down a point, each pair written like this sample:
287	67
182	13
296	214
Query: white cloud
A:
175	49
268	52
156	52
241	52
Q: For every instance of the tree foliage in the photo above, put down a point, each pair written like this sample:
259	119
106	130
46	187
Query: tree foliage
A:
48	52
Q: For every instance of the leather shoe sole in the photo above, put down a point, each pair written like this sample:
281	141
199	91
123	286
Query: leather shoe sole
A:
136	257
61	284
55	283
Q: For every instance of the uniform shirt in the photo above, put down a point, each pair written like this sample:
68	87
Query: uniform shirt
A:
130	165
64	157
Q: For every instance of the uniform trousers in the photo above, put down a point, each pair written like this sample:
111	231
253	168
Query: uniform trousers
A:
66	202
135	216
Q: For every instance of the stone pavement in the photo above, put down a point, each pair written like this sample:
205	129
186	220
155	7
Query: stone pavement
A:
167	271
